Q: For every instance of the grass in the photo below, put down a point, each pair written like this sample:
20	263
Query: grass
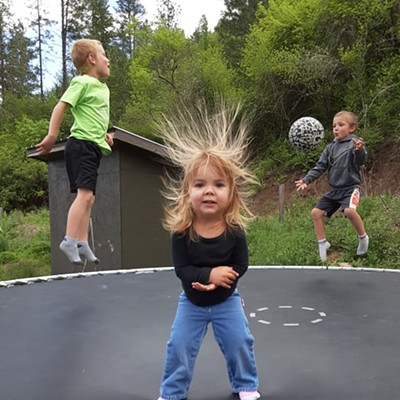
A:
293	242
25	238
24	244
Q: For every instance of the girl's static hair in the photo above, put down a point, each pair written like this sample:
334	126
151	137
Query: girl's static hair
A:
219	139
80	51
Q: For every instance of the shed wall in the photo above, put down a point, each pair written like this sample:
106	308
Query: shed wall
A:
106	216
144	241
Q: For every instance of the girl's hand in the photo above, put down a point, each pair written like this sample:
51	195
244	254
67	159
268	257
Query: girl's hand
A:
223	276
300	185
203	288
358	144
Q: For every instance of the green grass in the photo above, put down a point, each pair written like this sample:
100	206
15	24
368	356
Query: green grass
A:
25	238
293	241
24	244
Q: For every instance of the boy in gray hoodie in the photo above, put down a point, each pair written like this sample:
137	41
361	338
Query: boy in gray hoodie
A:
342	158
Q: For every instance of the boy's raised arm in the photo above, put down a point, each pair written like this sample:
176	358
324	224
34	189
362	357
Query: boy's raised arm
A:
57	115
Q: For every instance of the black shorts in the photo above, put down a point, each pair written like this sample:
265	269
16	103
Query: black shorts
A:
82	159
339	198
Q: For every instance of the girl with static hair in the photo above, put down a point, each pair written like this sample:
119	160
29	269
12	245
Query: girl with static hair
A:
206	213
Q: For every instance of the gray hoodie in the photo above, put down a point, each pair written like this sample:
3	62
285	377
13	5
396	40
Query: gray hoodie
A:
342	162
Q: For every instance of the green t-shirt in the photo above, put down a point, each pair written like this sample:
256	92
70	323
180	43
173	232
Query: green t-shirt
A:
90	106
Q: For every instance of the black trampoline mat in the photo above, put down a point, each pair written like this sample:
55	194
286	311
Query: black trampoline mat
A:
320	335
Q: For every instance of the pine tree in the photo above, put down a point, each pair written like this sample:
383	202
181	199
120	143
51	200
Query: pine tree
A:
41	25
129	12
21	78
235	24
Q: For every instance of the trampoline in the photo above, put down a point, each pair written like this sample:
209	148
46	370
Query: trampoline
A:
320	335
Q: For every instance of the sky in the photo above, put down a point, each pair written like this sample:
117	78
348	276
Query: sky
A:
191	12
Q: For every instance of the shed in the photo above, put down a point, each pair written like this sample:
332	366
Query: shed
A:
125	228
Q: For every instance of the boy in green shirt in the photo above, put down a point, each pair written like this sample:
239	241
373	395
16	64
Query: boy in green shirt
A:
88	98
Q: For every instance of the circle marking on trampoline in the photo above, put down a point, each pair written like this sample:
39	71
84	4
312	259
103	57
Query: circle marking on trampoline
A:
319	315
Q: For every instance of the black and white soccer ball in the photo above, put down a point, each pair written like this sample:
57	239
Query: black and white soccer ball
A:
306	134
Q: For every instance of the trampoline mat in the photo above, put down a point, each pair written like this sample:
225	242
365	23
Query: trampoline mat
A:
319	335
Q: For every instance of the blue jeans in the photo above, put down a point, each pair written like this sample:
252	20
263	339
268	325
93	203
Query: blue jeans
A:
232	334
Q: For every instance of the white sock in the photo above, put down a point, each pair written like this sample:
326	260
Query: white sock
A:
69	246
85	251
323	246
363	242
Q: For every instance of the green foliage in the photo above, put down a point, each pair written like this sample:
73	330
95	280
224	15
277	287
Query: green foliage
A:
27	238
309	57
169	70
15	108
23	182
282	59
279	156
234	26
16	60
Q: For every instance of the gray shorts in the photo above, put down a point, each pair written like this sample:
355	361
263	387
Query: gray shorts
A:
339	199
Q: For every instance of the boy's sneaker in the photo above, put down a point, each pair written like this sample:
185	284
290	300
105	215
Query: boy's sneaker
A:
362	245
249	395
323	248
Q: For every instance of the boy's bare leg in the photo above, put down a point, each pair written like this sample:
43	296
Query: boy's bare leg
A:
77	227
317	216
79	215
358	224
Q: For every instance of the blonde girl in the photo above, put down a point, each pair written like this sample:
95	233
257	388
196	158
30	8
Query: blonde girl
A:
206	213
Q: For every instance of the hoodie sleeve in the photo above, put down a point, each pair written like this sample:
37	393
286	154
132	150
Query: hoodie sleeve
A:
319	169
360	156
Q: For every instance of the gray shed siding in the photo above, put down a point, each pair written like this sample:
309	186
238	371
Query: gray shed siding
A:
143	238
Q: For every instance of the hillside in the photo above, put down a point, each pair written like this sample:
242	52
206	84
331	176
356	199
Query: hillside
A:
382	175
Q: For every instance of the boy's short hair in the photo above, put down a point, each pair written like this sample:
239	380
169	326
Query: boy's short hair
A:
80	51
351	117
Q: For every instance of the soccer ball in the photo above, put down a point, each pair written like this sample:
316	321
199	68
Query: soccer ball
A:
306	134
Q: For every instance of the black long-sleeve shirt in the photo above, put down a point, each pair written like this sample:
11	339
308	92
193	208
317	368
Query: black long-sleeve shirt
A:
194	260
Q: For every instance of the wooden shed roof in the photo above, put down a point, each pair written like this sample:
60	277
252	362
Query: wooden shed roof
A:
119	134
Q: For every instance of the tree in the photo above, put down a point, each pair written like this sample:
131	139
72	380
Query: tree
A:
91	19
84	19
169	71
129	12
234	26
43	34
21	79
154	76
314	58
23	182
168	14
4	31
